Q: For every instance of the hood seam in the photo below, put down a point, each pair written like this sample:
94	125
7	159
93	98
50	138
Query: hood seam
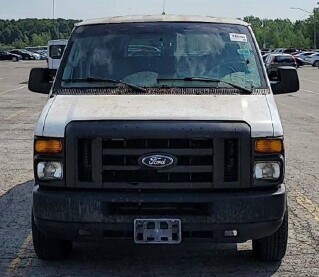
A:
47	114
271	116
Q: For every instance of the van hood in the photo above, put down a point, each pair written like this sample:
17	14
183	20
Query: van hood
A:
62	109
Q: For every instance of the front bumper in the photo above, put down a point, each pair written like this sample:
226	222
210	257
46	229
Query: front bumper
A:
88	215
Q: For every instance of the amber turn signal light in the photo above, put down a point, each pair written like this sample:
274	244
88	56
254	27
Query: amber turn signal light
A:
269	146
51	146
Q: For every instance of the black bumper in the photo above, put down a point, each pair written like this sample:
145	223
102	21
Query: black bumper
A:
88	215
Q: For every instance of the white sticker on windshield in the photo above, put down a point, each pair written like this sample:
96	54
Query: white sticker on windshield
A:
238	37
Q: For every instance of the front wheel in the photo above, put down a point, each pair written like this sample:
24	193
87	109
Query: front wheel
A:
273	248
316	64
272	75
49	248
14	59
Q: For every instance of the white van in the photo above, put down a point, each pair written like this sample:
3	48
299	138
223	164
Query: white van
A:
55	51
160	129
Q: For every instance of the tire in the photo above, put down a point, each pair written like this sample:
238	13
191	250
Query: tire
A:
14	59
49	248
273	248
316	64
27	58
272	75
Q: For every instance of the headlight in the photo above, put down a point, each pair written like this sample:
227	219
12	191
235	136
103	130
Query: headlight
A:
50	170
267	170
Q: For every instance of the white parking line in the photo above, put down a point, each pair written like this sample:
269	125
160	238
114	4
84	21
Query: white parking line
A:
310	91
307	80
1	78
10	90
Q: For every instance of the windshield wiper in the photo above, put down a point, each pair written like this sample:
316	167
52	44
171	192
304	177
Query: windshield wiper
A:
102	80
208	80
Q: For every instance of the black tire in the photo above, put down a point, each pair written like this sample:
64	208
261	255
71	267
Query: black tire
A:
49	248
14	59
27	58
272	76
316	64
273	248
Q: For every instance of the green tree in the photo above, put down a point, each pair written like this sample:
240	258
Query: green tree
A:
270	33
33	32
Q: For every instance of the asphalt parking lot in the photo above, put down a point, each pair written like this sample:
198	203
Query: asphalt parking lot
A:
19	110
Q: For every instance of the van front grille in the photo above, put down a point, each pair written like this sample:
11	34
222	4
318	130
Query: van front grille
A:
207	155
193	170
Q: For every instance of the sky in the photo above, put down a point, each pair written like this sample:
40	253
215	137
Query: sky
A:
84	9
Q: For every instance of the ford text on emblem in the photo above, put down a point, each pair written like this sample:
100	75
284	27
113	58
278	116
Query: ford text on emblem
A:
158	161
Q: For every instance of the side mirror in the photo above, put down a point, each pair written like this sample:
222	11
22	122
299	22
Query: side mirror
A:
40	80
288	81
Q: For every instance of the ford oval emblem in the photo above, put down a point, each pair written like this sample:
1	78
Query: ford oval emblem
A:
158	161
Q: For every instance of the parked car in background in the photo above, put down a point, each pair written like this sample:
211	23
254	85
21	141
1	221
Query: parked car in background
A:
265	51
278	50
313	59
285	50
42	53
290	50
265	56
24	54
300	62
36	48
274	61
36	55
7	56
304	55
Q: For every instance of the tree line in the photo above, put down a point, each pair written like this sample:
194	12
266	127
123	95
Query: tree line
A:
269	33
33	32
282	33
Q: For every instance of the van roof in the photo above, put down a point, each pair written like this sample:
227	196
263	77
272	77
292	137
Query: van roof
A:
161	18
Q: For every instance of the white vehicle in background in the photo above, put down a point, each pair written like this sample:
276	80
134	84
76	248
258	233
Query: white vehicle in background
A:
313	59
304	55
55	52
37	48
37	56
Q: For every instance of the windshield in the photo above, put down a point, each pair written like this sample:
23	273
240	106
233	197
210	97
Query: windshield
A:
161	55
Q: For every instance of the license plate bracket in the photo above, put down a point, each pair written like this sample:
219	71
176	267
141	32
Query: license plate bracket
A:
157	231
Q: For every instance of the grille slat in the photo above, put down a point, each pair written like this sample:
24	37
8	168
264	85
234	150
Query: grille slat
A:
231	160
85	160
174	169
142	151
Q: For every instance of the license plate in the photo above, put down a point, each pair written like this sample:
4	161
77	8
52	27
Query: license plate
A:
157	231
